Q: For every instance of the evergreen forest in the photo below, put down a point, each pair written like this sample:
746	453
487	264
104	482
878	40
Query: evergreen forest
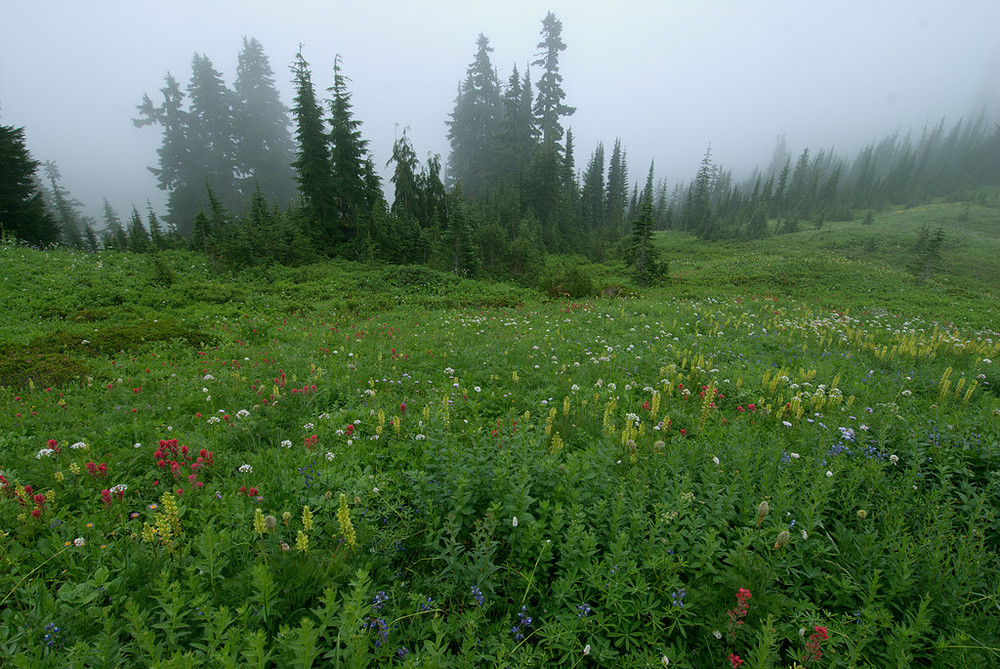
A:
250	180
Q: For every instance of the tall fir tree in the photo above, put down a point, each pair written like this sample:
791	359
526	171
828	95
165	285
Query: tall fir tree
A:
592	196
642	253
519	132
22	209
474	128
406	203
157	236
66	208
114	233
353	172
549	103
698	216
545	193
264	147
177	173
617	195
138	237
312	164
212	127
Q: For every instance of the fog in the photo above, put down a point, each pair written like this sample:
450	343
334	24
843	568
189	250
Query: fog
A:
668	78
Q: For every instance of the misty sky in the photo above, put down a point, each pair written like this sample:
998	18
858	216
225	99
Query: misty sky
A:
667	76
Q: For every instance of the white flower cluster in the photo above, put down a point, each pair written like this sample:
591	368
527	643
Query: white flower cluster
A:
78	445
45	452
246	469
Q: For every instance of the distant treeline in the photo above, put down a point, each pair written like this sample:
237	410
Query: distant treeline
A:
250	181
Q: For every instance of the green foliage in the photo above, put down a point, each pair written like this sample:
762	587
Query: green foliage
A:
566	278
21	368
633	455
112	339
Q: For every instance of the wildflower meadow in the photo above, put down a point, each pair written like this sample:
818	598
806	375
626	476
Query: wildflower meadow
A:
334	465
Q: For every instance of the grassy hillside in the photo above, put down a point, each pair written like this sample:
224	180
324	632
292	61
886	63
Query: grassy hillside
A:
848	264
788	455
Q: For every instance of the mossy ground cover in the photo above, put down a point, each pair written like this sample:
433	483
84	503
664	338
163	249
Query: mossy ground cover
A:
784	456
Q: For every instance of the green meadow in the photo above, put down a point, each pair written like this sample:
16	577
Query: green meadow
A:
785	455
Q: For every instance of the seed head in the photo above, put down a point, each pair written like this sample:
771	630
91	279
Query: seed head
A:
762	510
782	540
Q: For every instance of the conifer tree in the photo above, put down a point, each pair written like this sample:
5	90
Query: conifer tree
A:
474	128
457	245
406	204
22	210
617	195
264	148
592	207
90	240
157	239
201	234
312	164
549	103
114	233
698	215
546	192
642	253
138	237
176	174
212	128
519	132
65	208
927	253
353	173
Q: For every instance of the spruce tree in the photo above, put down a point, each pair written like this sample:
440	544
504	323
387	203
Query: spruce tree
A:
519	132
264	147
212	128
698	216
157	238
312	164
643	254
457	245
406	203
138	237
549	103
66	208
927	253
617	195
22	210
353	174
474	128
177	173
546	192
592	207
114	233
